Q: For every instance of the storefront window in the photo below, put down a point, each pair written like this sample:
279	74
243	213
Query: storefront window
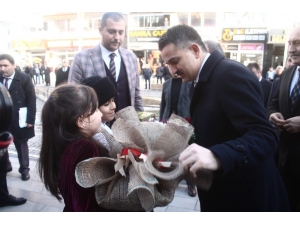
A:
60	25
247	58
196	19
229	19
209	19
158	20
183	18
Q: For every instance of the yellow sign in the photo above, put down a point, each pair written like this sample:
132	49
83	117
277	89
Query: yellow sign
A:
146	33
37	60
278	38
28	44
241	34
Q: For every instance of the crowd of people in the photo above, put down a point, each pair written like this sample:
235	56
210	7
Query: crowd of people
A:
246	127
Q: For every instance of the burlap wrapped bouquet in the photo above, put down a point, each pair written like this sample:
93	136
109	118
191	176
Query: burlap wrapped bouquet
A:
143	172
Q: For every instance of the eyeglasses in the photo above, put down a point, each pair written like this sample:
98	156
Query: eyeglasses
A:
63	62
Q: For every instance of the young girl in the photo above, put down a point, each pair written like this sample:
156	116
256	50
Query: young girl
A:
106	92
70	118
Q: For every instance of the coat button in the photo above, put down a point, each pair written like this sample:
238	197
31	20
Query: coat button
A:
245	159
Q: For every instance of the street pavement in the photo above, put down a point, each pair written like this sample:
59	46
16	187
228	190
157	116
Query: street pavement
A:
40	200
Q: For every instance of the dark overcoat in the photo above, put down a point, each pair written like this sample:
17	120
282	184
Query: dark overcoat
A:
230	119
23	95
266	87
290	142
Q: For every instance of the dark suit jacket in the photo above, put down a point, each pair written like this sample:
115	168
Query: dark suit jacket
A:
23	95
274	89
229	118
61	76
266	87
290	143
47	73
183	101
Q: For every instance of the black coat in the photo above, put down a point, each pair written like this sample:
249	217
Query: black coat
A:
266	87
147	72
229	118
290	143
61	76
47	74
23	95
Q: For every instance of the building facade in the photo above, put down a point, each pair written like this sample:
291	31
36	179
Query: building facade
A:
245	36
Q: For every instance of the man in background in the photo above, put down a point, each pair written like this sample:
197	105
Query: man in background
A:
109	59
22	92
265	85
62	74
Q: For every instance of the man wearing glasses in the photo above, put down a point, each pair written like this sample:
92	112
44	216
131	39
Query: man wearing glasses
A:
63	73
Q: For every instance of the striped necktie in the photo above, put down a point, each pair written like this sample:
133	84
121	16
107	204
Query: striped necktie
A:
295	93
112	66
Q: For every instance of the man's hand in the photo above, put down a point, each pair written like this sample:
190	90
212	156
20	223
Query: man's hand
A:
195	157
292	125
29	125
277	120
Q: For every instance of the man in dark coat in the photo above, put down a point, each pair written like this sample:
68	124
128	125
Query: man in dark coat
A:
265	85
22	92
62	74
6	138
284	114
234	139
46	70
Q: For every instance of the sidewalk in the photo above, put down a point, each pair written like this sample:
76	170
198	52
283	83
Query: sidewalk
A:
39	199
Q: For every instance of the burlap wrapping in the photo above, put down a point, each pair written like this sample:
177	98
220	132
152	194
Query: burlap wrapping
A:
145	186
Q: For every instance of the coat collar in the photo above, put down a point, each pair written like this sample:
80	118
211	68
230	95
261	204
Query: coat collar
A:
210	64
15	82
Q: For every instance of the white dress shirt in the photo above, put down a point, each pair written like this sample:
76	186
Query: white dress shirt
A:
204	60
294	80
9	80
106	58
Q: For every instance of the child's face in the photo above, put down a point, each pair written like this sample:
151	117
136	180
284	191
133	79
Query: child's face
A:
92	123
108	110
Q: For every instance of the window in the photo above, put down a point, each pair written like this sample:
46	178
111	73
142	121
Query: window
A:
149	20
60	25
196	19
209	19
183	18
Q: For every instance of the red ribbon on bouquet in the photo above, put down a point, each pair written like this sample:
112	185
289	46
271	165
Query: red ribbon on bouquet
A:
134	151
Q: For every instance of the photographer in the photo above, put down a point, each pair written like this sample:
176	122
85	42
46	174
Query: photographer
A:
6	138
21	90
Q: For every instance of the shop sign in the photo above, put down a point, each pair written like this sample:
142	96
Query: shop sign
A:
244	34
146	33
28	44
86	43
149	35
278	38
55	44
252	47
230	47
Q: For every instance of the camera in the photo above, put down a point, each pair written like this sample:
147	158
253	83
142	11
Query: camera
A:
6	112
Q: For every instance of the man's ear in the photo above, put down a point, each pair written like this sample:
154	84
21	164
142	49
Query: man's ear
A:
80	122
195	50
